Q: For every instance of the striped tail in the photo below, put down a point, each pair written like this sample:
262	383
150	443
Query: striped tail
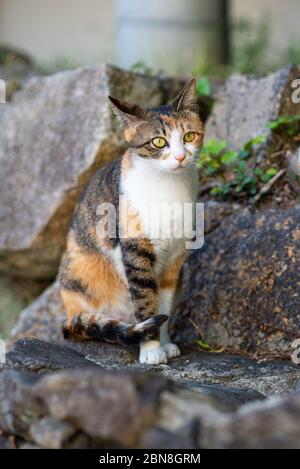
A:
114	331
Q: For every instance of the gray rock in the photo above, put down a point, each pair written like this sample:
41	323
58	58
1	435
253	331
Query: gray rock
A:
54	134
95	403
50	433
245	104
241	290
238	379
90	407
43	320
273	424
39	356
5	442
19	408
233	397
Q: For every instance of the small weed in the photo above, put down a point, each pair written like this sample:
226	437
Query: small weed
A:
287	124
238	176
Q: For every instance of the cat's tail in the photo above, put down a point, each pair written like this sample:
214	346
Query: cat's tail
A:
114	331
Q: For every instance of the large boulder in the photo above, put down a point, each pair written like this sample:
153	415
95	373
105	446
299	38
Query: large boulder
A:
54	134
245	104
241	290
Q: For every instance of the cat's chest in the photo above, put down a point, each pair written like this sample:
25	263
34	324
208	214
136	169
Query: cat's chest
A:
161	202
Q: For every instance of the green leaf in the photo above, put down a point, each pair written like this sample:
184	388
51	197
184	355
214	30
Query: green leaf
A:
267	175
243	154
203	87
205	346
283	120
229	157
214	147
271	172
254	141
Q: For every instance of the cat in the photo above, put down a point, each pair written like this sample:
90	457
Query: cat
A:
121	288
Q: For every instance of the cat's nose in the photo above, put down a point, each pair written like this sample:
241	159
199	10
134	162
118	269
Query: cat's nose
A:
180	158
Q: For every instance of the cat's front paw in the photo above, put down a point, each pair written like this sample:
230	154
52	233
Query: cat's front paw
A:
153	356
171	350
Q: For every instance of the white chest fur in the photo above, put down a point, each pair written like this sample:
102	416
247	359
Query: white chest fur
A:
163	202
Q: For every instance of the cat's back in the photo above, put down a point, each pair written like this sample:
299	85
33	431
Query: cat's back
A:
103	188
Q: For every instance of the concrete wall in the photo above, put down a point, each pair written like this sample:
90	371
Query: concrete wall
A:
86	30
80	30
283	18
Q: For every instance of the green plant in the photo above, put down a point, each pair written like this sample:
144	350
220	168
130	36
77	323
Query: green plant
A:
288	124
213	155
203	87
208	348
236	174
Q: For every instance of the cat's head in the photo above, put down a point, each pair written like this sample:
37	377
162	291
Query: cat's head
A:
169	136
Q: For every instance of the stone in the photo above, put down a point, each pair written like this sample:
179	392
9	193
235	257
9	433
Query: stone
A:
19	408
241	290
49	409
232	379
5	442
273	424
89	407
40	356
245	104
50	433
229	380
54	134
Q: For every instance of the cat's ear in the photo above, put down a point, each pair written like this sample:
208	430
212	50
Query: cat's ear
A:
129	114
187	98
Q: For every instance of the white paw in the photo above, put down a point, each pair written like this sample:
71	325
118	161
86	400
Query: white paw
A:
153	356
171	350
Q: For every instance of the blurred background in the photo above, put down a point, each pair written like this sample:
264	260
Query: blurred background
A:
212	37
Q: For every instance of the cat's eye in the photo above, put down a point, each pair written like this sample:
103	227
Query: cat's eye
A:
159	142
189	137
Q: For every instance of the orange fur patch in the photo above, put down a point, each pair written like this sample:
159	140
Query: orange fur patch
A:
170	277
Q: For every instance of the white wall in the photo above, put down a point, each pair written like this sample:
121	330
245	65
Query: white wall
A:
283	17
80	30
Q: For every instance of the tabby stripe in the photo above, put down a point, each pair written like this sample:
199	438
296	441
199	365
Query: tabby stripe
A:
144	282
140	252
73	285
130	265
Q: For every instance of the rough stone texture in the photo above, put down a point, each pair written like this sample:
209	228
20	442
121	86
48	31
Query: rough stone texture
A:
245	104
94	408
50	409
192	369
271	424
241	290
54	134
36	355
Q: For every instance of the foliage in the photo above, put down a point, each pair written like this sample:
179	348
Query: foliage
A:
208	348
237	174
288	124
203	87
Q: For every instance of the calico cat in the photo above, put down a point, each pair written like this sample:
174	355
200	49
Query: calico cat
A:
121	288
